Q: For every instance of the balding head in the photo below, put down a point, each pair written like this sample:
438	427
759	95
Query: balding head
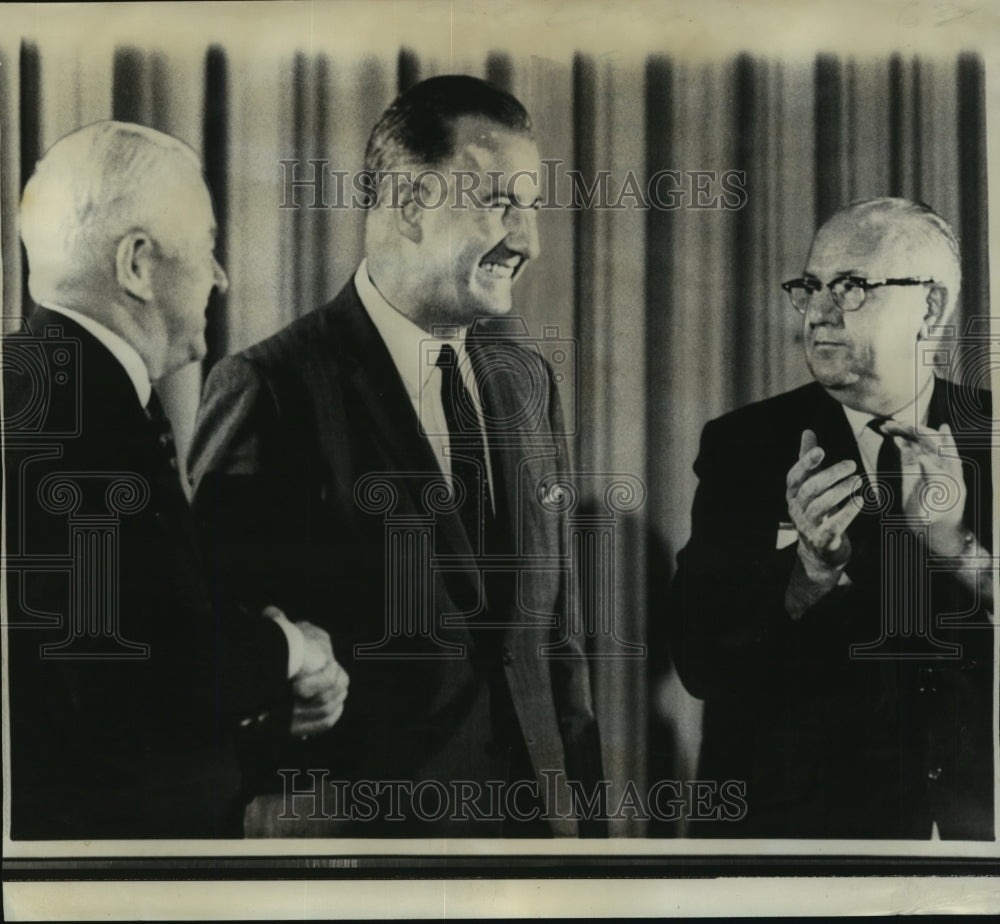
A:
880	275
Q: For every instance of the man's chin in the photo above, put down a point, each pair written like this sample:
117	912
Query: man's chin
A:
830	377
494	307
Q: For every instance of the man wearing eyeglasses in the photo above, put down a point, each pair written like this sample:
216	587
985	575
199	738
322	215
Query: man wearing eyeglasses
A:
833	606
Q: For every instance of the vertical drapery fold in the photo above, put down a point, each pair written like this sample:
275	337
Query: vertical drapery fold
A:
29	88
973	224
215	151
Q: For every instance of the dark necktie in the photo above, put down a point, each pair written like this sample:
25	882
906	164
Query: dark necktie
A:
488	536
466	447
889	470
163	431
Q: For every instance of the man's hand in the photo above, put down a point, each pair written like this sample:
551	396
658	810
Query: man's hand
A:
934	490
320	686
933	485
819	507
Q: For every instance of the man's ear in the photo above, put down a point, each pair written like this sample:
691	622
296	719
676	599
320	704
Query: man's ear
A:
408	214
937	305
134	265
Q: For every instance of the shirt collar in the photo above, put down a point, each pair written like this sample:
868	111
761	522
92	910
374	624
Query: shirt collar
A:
915	412
124	352
414	351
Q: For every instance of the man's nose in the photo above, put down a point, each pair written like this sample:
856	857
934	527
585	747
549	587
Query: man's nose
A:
221	279
822	309
522	232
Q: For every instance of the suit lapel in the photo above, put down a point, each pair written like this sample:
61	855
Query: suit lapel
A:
833	432
386	407
515	418
939	410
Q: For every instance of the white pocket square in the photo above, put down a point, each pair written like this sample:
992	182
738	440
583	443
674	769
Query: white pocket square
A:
787	535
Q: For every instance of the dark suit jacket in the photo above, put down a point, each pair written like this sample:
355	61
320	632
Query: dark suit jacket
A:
287	435
830	745
125	732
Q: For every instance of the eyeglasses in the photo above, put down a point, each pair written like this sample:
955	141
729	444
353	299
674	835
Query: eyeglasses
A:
849	292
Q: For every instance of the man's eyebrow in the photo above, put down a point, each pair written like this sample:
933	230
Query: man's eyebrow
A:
496	197
837	274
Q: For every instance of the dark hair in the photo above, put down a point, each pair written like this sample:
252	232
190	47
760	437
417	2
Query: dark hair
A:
418	128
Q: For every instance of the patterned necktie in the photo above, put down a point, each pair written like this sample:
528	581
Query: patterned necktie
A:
466	446
163	431
889	471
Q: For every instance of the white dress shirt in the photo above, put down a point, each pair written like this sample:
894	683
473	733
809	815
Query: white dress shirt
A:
415	353
870	442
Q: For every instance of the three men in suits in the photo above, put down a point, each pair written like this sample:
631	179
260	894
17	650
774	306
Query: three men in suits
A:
128	677
388	459
833	606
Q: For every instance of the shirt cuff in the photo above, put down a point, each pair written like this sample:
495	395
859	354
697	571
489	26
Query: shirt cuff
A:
296	643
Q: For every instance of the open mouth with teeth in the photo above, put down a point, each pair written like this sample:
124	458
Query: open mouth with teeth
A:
501	270
502	263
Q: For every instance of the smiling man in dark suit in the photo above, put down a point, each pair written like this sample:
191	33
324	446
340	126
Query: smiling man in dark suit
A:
393	405
833	606
128	677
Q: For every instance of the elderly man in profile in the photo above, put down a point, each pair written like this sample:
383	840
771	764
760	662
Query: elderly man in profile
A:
128	678
833	606
471	706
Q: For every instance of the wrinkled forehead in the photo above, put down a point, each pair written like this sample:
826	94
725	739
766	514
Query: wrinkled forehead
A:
876	248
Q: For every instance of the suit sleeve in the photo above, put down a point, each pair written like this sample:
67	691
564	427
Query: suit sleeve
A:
727	619
236	406
253	646
244	486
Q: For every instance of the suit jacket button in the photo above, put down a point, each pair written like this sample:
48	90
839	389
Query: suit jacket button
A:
934	773
245	723
508	657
